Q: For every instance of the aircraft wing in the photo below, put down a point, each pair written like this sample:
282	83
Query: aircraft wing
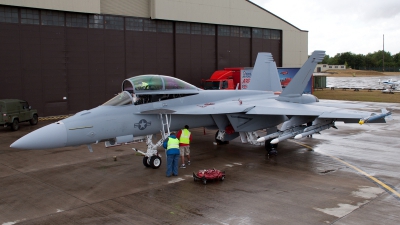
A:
266	107
323	112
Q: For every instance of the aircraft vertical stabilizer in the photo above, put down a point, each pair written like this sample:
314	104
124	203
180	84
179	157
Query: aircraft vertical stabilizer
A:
300	80
265	75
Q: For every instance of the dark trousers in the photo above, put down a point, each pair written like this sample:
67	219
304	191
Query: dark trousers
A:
172	164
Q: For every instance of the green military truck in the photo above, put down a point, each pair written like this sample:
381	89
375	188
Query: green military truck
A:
15	111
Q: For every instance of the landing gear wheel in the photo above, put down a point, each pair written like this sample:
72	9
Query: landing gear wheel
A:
155	162
268	146
219	142
204	181
15	125
146	161
34	120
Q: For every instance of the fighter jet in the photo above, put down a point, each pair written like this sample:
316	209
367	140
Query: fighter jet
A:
149	104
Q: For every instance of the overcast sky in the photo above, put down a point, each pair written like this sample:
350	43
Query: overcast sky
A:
339	26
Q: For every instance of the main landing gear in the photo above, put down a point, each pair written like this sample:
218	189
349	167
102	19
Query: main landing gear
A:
271	148
217	138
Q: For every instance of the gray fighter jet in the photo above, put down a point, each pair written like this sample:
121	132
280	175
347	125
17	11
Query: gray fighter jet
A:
149	104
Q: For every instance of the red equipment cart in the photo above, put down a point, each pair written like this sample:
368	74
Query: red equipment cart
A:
209	175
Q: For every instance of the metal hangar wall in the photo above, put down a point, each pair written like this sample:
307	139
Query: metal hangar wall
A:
64	58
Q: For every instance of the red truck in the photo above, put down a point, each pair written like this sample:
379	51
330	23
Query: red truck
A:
228	79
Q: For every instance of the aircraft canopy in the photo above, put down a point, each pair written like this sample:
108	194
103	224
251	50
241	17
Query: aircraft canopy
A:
151	82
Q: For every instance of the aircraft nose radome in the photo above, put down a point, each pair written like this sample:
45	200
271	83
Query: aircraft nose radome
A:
51	136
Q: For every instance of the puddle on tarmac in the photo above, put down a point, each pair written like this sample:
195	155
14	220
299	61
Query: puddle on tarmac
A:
344	209
358	82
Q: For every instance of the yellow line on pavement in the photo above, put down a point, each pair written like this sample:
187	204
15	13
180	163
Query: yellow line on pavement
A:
383	185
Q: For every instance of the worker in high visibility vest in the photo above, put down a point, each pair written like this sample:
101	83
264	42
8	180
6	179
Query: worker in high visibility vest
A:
185	137
171	144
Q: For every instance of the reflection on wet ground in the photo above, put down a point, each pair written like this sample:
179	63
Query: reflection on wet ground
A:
359	82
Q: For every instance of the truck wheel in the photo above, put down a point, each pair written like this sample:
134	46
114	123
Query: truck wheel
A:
34	120
15	125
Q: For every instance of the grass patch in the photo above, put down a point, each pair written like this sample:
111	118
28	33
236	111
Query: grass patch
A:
362	95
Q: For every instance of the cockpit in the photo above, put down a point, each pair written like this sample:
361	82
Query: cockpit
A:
145	89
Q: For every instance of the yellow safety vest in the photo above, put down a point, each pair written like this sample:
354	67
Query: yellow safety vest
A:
172	143
184	138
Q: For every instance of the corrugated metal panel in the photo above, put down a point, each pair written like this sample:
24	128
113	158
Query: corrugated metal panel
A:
10	62
150	52
208	57
134	53
137	8
234	52
223	53
52	44
183	56
194	77
77	68
195	57
86	6
165	54
114	52
276	51
31	71
96	66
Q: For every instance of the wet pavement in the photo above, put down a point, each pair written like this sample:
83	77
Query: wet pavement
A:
360	82
345	176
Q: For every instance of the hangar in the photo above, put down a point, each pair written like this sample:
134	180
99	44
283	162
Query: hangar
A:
69	55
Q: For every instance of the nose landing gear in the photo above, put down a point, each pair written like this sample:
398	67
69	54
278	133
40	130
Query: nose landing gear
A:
153	161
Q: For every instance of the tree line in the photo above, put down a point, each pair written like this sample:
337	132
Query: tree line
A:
379	61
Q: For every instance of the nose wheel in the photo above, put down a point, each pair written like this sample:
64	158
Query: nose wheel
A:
153	161
151	158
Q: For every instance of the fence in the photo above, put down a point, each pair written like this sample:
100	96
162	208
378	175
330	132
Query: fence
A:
379	69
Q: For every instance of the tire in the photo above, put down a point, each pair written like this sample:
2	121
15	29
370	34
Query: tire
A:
155	162
15	125
268	145
145	161
34	120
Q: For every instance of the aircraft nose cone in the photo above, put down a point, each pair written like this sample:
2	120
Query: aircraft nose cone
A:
51	136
